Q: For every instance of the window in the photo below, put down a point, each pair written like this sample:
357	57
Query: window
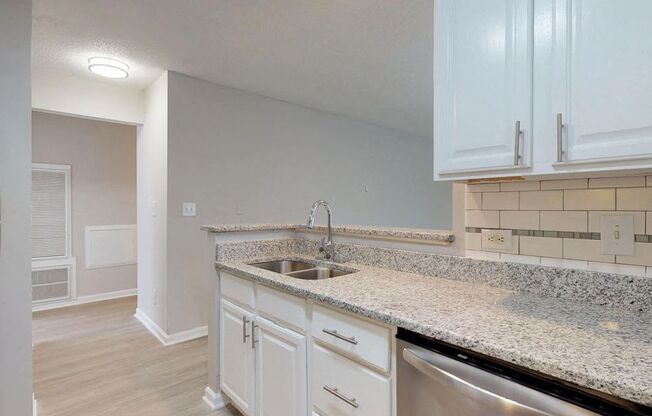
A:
50	211
53	267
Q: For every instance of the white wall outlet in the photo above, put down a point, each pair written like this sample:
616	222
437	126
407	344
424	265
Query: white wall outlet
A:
497	240
189	209
154	297
617	235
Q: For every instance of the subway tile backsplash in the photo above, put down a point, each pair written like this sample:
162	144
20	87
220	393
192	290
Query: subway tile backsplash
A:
557	222
590	199
634	199
541	200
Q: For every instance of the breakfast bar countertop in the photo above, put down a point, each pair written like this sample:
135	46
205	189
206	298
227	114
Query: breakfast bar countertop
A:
423	234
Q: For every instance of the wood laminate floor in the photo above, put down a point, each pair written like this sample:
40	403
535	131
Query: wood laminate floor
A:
97	359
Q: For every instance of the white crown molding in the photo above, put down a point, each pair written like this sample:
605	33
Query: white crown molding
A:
169	339
215	400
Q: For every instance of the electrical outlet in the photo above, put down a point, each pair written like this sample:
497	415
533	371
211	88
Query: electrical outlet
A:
154	297
497	240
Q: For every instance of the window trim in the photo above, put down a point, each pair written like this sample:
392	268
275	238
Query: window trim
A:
66	170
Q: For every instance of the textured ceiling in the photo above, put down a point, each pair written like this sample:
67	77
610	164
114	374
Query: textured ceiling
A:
366	59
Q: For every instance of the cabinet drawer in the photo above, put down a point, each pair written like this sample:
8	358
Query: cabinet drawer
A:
237	289
359	338
342	387
281	307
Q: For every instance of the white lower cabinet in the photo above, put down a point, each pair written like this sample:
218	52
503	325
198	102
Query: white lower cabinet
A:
267	370
280	370
263	365
237	371
341	387
352	336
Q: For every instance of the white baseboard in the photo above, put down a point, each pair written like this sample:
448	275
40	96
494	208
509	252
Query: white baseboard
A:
151	326
215	400
188	335
169	339
34	406
86	299
106	296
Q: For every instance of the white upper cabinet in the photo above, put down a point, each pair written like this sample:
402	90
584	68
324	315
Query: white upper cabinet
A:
576	73
602	58
483	84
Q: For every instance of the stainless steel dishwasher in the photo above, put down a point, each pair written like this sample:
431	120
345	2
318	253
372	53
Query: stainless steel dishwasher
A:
438	379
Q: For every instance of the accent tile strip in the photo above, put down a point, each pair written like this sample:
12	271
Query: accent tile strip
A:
639	238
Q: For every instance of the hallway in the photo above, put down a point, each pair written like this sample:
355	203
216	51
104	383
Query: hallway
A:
97	359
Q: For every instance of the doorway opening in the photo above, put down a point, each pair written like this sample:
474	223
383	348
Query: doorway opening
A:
83	210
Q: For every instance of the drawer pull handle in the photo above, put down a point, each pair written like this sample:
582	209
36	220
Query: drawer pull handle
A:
333	332
245	321
334	392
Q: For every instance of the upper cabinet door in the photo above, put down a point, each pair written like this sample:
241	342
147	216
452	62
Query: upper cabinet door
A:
483	85
602	87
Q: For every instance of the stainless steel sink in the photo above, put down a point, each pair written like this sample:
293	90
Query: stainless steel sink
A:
300	269
317	273
284	266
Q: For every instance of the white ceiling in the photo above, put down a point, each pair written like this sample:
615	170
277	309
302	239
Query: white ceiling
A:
366	59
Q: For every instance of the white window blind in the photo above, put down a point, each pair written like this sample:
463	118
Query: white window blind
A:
50	208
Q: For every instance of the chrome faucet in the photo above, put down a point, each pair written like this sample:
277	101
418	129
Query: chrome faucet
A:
326	246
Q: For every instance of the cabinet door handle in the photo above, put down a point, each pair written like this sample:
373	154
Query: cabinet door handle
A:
517	143
336	393
333	332
253	337
245	321
560	138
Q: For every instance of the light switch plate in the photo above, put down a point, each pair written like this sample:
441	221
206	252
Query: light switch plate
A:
617	235
497	240
189	209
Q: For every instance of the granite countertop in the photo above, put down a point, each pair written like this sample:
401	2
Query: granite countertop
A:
234	228
423	234
602	348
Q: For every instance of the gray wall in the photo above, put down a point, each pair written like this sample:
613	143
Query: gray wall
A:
246	158
15	178
103	160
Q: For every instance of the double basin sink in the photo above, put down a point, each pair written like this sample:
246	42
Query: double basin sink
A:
301	270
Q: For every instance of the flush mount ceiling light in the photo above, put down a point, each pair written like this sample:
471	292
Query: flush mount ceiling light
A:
108	67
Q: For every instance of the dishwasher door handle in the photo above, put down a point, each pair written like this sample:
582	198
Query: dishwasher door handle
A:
486	388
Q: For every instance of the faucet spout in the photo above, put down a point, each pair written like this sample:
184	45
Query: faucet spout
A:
327	246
